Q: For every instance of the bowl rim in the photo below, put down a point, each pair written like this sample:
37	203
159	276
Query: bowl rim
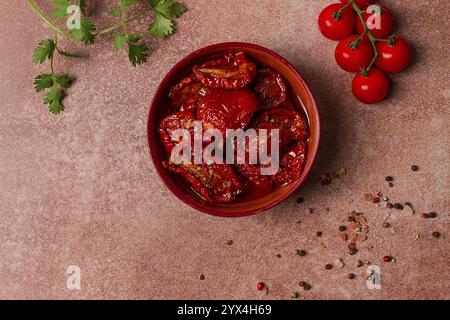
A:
152	110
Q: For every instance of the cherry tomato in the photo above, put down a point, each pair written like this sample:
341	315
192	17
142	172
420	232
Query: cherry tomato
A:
385	27
372	88
333	26
353	59
360	3
395	55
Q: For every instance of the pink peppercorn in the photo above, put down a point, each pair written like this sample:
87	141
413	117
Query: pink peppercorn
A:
425	215
260	286
379	194
376	200
387	258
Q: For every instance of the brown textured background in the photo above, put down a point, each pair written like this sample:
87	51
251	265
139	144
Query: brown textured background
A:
80	189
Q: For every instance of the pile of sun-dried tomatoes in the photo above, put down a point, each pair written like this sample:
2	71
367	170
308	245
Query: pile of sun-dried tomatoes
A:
366	45
231	92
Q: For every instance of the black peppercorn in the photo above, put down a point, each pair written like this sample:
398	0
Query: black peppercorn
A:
436	234
432	215
342	228
328	266
389	178
398	206
415	168
351	276
319	233
301	253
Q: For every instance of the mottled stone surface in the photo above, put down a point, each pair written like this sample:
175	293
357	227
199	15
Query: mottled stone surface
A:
80	188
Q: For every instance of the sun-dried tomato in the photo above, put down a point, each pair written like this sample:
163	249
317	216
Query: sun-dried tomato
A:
291	164
292	125
270	89
227	109
258	186
177	120
233	71
215	183
186	94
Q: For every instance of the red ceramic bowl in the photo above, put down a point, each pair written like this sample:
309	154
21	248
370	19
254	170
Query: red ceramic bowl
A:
161	107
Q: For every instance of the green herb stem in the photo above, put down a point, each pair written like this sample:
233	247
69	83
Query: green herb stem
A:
47	20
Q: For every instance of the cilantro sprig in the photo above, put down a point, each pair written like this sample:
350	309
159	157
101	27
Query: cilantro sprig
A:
53	85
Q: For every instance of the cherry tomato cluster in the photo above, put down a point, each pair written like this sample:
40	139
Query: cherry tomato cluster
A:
366	45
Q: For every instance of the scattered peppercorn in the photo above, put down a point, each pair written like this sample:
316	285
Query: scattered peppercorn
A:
295	295
352	249
376	200
301	253
386	224
390	205
389	178
425	215
202	277
278	255
328	266
229	242
379	194
319	233
415	168
359	264
387	258
436	234
342	228
432	215
398	206
351	276
300	200
306	286
391	185
260	286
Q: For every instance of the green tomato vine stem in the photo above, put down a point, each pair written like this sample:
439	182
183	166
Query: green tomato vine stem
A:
372	39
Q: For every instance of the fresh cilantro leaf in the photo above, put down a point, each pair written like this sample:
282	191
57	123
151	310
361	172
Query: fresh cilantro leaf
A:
119	40
43	51
61	8
161	27
53	98
153	3
83	6
43	81
137	53
63	80
169	8
86	33
133	38
178	9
